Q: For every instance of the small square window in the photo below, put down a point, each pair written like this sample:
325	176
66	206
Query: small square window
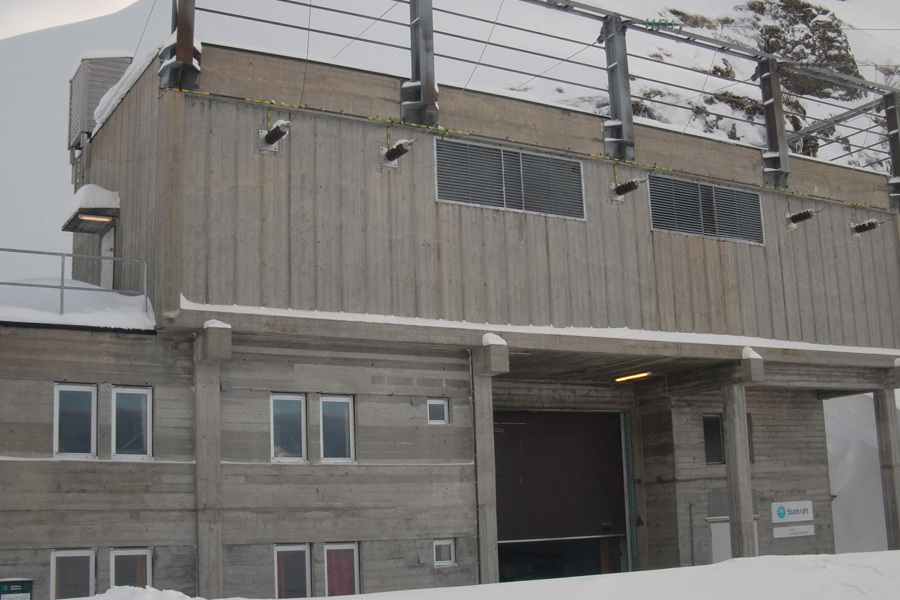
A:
292	571
337	428
71	574
75	421
438	411
132	431
288	427
130	567
444	553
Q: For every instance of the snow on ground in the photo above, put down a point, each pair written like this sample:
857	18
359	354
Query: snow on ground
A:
85	305
845	577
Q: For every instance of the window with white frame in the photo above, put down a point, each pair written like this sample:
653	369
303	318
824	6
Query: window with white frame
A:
341	569
292	571
75	420
288	427
444	552
130	566
438	411
132	417
336	423
71	574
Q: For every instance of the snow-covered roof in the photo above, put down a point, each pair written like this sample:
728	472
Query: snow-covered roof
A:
37	301
91	195
738	342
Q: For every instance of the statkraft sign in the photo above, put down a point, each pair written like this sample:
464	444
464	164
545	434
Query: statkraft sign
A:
788	512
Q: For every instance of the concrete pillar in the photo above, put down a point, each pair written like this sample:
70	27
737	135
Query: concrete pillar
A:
737	471
211	346
489	360
887	422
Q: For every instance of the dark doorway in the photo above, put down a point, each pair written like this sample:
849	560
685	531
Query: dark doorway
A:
560	494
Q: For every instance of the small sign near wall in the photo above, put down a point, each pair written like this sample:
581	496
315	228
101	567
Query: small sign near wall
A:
793	531
788	512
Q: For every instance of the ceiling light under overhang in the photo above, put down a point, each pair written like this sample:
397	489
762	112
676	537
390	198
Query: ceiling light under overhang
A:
631	377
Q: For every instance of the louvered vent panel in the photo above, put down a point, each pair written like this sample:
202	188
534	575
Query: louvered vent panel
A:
509	179
708	210
712	439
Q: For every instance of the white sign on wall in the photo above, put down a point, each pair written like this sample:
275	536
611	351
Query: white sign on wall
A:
788	512
793	531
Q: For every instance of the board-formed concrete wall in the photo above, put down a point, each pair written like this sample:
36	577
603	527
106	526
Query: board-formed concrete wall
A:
411	482
321	225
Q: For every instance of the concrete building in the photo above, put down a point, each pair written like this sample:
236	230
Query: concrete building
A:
367	375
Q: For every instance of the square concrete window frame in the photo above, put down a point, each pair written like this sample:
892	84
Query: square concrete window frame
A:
122	439
124	553
283	409
69	417
281	553
61	572
438	411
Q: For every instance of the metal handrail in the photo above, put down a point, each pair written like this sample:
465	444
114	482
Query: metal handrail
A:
62	287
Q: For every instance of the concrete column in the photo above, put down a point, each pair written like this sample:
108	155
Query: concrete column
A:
737	471
887	422
489	360
211	346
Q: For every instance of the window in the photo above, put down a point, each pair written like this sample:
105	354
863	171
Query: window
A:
130	567
337	428
712	439
132	433
74	420
292	571
503	178
700	209
444	553
341	577
438	411
71	574
288	427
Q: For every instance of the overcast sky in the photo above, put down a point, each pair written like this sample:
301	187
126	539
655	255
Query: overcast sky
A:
25	16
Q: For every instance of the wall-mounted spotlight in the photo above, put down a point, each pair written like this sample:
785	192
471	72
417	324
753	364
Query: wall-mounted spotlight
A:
792	219
390	155
863	226
632	377
268	140
617	191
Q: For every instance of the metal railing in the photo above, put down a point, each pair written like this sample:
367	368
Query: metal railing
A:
67	261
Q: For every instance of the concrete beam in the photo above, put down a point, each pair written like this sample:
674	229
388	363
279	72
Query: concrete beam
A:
737	471
211	346
492	358
215	341
887	424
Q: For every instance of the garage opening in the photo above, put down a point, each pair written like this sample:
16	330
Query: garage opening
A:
561	504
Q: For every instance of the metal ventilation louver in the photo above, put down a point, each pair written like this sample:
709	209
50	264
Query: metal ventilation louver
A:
700	209
501	178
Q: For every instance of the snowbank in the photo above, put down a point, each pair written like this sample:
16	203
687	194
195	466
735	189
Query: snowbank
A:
825	577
